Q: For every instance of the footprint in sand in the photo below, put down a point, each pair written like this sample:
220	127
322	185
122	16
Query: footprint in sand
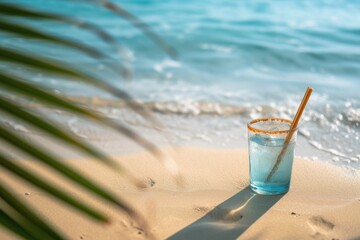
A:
295	214
151	182
320	226
148	183
129	226
202	209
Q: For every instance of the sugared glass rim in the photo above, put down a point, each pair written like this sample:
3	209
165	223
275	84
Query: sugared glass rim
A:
267	131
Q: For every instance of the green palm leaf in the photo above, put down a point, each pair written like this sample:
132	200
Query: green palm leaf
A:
25	31
13	10
121	12
16	216
39	227
55	67
52	189
55	163
56	132
17	11
20	226
30	90
28	32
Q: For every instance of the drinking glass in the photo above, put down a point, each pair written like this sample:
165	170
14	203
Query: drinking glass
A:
269	173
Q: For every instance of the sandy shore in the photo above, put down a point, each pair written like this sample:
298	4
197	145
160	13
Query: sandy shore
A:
214	203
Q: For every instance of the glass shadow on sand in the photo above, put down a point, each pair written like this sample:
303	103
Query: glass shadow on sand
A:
230	219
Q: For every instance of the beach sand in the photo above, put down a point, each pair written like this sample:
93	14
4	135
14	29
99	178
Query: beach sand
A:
214	202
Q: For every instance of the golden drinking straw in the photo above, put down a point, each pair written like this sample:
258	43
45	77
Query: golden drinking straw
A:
291	131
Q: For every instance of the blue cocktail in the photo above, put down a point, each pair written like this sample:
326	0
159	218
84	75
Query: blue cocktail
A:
266	141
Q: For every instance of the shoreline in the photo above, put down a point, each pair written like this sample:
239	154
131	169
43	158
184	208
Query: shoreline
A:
200	131
318	204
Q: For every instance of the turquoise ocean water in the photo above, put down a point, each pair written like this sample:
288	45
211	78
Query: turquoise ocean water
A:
238	60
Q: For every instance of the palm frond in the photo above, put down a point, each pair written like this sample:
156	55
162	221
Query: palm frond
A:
60	134
52	189
34	223
18	228
17	11
54	67
16	216
13	10
28	32
30	90
121	12
40	154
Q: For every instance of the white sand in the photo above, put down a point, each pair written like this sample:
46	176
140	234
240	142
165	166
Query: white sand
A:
323	202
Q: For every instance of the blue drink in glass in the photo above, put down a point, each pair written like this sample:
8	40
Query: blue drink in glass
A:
266	140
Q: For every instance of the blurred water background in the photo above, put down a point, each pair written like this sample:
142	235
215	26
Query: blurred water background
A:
239	60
